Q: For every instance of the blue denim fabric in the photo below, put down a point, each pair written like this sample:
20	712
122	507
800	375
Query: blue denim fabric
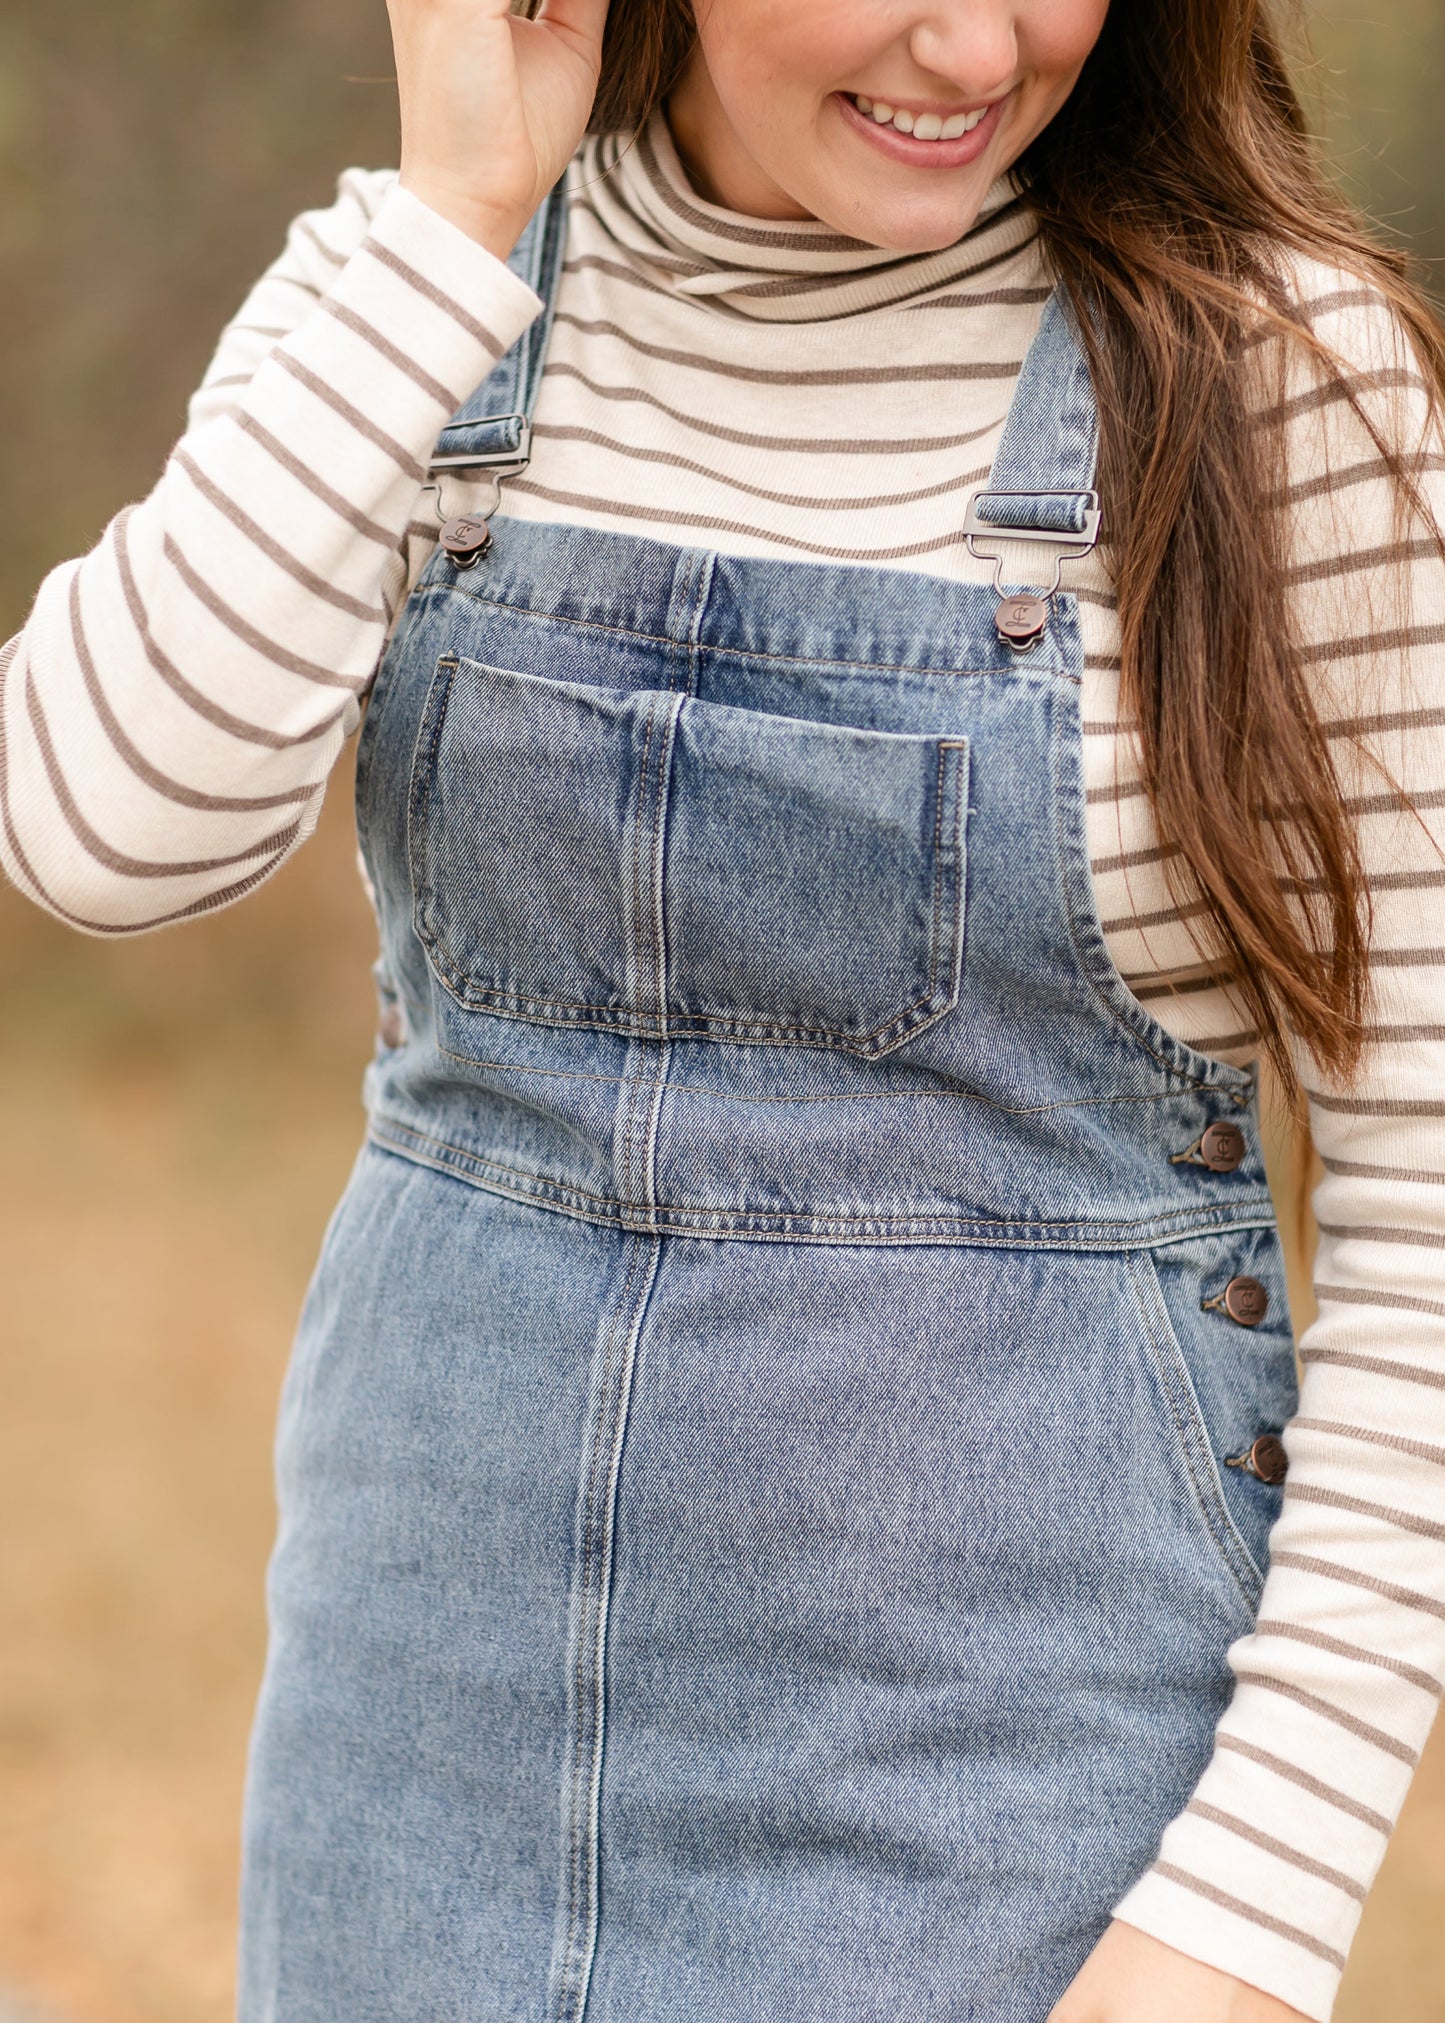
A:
756	1545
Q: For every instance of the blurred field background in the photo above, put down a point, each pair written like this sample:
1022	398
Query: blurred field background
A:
179	1113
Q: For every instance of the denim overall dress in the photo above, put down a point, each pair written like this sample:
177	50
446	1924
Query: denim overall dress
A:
758	1542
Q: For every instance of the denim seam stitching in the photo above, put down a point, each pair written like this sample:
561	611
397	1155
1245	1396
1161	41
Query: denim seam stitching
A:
913	1018
575	1839
1189	1425
946	746
598	1505
534	1184
645	821
706	570
656	1089
578	1849
692	587
423	765
959	1095
652	1099
907	1023
1040	673
654	894
649	819
1072	833
627	1096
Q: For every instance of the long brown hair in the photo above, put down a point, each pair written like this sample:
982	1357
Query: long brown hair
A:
1172	189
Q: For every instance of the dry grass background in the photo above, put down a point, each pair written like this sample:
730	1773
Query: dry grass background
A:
178	1114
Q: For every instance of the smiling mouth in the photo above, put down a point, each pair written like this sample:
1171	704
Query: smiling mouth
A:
922	125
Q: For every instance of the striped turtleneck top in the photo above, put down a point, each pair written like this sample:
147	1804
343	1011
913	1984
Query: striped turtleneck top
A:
172	708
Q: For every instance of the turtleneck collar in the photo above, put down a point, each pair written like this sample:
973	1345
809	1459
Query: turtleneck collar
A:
801	272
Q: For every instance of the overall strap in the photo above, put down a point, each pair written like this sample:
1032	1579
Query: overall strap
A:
1041	487
1042	481
492	429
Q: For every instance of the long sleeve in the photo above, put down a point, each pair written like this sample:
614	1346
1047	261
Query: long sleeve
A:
1266	1872
180	695
176	700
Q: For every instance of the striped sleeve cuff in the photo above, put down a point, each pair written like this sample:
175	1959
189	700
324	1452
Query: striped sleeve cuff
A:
1180	1903
471	287
421	311
1264	1874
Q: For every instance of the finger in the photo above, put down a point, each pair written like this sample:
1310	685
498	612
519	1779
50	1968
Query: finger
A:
578	21
451	17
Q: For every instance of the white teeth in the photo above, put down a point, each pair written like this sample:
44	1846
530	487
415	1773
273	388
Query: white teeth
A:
922	125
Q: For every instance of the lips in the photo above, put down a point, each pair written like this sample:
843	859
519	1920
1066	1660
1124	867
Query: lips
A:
923	136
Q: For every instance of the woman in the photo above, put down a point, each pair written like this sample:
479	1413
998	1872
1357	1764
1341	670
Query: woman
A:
914	608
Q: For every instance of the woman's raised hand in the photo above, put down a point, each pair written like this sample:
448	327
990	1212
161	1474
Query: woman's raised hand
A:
492	106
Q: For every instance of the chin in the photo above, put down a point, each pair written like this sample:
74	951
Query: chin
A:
910	228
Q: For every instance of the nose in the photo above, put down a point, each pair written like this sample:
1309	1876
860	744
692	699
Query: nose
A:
971	44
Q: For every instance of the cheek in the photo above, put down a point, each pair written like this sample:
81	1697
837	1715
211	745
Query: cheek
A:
757	45
1058	35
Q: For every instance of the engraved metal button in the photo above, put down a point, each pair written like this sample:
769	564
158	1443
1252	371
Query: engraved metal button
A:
466	540
1246	1301
1268	1460
1265	1460
1222	1147
1021	621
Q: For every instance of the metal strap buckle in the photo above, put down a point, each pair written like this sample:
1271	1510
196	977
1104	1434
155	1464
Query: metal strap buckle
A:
1022	618
468	538
1086	538
1074	547
488	460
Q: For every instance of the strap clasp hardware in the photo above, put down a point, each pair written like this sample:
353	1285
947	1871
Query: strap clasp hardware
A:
467	539
504	461
1084	537
1023	620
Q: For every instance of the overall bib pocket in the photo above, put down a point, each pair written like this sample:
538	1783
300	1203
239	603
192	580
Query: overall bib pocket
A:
657	866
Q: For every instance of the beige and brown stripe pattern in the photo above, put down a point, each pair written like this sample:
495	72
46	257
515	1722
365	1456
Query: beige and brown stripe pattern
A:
171	711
